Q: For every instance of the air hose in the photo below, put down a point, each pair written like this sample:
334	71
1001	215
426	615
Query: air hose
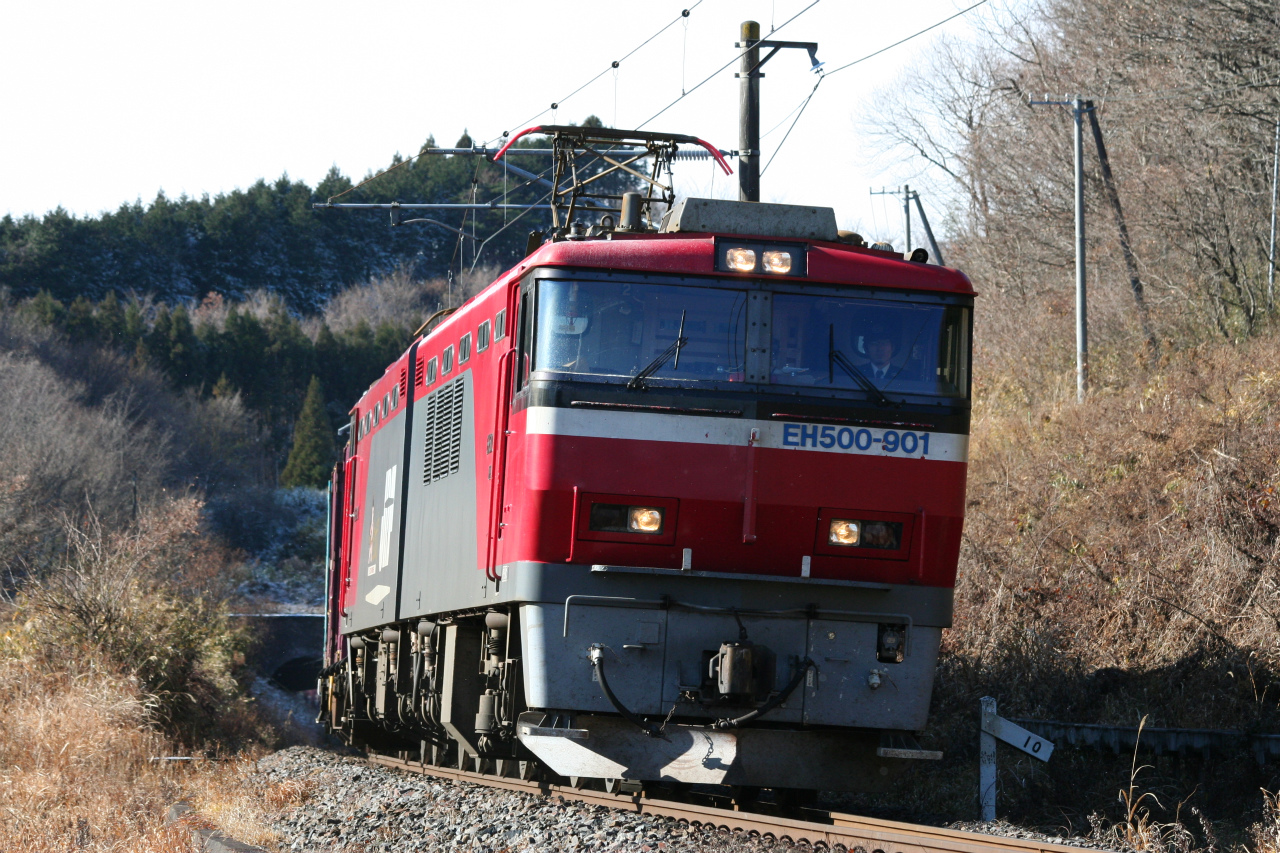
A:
597	661
596	657
733	723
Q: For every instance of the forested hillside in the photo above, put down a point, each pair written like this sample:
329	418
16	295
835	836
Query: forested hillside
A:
268	238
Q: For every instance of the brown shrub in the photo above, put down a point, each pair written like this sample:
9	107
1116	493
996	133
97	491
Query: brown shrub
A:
149	599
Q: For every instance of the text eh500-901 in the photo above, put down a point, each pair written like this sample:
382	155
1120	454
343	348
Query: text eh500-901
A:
849	438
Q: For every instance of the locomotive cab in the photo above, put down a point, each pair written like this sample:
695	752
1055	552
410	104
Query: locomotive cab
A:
699	514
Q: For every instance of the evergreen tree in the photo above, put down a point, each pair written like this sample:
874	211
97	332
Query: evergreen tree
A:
313	448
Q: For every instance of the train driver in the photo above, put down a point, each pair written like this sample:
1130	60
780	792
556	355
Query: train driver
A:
880	346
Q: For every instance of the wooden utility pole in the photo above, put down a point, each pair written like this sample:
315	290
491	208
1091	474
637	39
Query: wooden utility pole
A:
749	114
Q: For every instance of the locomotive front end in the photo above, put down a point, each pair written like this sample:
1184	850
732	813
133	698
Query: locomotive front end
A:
731	500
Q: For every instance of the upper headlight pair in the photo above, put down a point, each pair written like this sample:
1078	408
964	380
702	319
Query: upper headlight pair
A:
739	259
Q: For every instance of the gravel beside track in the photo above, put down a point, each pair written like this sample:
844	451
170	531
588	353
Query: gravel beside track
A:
352	806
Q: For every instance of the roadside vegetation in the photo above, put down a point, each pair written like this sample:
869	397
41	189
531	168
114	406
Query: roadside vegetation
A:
1121	557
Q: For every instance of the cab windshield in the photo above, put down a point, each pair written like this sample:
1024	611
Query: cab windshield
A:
843	342
613	330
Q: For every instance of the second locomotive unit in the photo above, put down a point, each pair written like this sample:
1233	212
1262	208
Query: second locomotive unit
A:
676	503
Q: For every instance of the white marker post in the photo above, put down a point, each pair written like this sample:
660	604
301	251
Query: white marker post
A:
994	727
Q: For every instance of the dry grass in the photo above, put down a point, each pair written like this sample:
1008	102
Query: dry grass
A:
75	765
1265	834
1132	542
1121	560
242	804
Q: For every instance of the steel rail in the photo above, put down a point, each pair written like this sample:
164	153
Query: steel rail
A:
827	828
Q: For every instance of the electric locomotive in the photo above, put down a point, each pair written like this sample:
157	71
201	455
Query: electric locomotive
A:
674	500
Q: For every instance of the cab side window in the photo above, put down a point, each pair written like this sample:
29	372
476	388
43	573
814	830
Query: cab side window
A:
524	340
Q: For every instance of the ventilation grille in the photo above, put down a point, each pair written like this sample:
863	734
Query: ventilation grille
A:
442	427
404	382
419	375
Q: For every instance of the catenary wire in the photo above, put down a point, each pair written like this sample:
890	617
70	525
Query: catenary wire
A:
907	39
684	15
812	92
824	76
723	67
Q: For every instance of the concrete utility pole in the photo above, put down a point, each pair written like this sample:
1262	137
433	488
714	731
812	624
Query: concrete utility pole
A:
928	232
749	102
1271	266
906	214
1082	319
909	195
906	220
1082	304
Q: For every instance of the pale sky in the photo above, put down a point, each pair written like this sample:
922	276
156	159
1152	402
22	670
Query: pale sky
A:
106	103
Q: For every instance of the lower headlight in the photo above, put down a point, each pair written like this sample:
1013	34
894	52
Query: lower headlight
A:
843	532
643	519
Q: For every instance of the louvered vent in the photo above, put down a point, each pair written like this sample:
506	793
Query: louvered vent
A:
442	427
419	375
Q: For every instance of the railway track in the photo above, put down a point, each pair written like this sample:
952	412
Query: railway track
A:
817	827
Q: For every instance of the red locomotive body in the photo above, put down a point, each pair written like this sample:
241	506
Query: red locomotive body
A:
648	476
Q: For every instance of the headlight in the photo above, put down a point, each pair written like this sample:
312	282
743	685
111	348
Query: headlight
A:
740	260
777	262
843	532
643	519
622	518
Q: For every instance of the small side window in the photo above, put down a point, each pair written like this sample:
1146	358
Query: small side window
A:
464	348
395	396
431	371
524	341
500	325
482	337
377	414
446	363
386	404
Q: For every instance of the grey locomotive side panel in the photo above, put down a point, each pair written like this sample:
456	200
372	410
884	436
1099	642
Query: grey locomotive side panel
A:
442	568
377	565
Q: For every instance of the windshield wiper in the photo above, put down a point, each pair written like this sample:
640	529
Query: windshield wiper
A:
637	381
835	359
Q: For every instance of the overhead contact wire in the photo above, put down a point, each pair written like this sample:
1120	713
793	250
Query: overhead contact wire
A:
825	75
813	92
708	78
684	15
908	38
